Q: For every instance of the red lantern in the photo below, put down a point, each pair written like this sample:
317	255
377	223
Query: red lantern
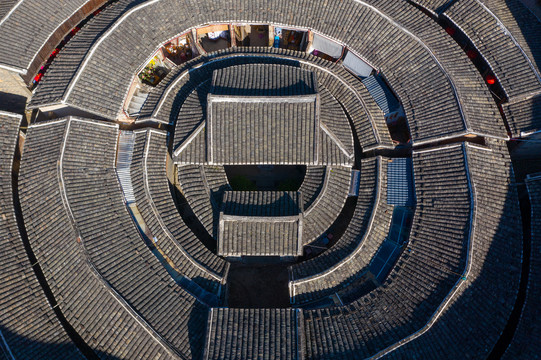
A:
451	31
491	80
38	77
472	54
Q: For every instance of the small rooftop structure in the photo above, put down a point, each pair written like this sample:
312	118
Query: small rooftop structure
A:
246	130
260	223
254	334
265	114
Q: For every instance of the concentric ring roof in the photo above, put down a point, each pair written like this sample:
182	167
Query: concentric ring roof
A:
151	205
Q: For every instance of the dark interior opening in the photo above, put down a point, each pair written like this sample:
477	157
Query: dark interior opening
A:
258	285
265	177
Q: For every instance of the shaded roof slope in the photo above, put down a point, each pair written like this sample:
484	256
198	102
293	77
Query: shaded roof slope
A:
525	344
523	25
262	203
490	284
154	199
523	116
263	80
495	43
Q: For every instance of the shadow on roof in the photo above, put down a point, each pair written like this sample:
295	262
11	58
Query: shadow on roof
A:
12	103
23	348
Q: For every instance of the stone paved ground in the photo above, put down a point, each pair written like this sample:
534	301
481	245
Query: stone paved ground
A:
13	92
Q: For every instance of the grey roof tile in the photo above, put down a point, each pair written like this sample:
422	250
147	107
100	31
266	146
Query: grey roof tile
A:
442	94
423	276
523	116
312	184
113	243
328	205
261	141
524	343
155	203
454	189
6	6
262	203
434	6
263	114
242	132
490	286
333	117
158	186
497	47
55	83
253	334
472	98
198	194
356	229
28	324
165	100
263	80
87	301
260	223
259	236
349	258
431	114
192	113
521	23
28	28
